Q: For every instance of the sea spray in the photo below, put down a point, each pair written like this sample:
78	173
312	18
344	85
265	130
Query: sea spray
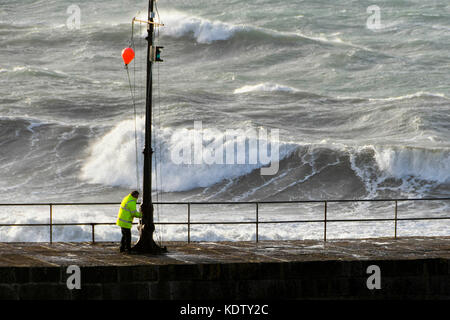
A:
188	158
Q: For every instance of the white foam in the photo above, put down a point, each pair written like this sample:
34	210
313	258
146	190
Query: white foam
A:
265	87
425	164
417	170
418	94
178	24
411	96
37	71
323	38
113	158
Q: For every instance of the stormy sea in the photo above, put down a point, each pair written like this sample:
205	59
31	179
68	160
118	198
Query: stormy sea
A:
347	100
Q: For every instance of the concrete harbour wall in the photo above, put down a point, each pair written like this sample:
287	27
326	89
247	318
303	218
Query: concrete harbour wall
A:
329	279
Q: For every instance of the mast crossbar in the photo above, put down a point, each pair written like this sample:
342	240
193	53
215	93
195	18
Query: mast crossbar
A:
156	24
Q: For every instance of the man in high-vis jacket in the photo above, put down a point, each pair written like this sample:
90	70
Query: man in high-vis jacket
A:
127	212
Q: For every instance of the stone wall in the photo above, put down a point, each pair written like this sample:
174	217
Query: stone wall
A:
400	279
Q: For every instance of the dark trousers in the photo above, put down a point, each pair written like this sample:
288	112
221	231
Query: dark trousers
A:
125	243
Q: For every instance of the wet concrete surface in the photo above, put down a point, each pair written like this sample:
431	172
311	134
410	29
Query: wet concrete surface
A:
107	253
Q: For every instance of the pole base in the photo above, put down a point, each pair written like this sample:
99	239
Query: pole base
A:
146	244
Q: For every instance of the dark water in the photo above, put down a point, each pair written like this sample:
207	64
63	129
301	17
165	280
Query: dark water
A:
360	112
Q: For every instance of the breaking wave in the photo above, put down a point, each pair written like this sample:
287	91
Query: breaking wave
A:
113	158
302	167
425	164
178	24
205	31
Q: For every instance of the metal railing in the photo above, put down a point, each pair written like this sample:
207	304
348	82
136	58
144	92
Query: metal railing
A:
256	222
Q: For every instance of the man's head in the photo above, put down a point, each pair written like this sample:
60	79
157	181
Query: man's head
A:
135	194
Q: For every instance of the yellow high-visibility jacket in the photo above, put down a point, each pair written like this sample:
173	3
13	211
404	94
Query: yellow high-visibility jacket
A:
127	212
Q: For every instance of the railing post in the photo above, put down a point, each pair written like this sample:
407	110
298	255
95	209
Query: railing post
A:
257	220
325	222
395	220
189	222
51	223
93	232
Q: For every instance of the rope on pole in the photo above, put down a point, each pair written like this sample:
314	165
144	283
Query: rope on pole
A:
135	129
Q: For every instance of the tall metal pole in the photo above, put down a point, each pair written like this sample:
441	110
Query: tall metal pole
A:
146	244
148	151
